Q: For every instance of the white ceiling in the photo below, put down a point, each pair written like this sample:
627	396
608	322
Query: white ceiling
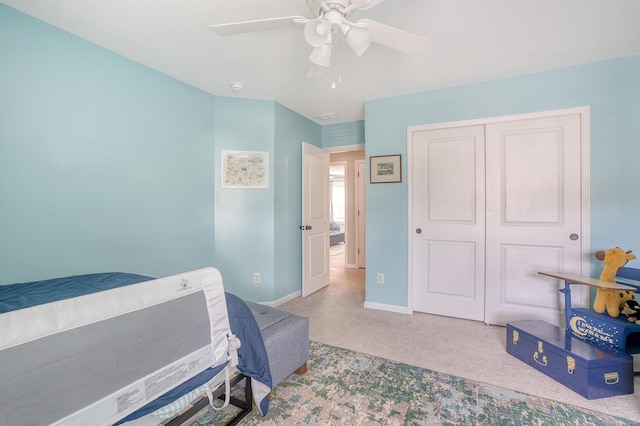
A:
473	41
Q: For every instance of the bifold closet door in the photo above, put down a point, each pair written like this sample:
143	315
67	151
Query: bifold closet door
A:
533	219
447	221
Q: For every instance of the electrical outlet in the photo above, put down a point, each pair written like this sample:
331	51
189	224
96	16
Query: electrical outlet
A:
380	278
256	277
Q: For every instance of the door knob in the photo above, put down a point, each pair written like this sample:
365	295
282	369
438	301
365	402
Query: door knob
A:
418	230
308	227
573	237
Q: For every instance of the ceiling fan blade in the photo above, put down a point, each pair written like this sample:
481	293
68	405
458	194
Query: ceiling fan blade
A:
365	4
258	25
395	38
315	70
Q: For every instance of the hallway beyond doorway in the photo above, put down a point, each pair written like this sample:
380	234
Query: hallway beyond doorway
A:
349	282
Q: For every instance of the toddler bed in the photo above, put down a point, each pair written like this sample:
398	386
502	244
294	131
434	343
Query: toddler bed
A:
104	349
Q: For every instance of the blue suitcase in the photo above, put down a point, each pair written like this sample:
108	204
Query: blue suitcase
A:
593	371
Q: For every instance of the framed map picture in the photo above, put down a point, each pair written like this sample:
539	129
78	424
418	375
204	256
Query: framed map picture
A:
245	169
386	168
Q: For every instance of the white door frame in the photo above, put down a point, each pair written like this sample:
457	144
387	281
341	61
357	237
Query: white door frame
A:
346	227
352	226
584	111
361	221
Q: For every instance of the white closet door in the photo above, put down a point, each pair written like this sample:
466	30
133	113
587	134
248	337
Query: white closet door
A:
533	217
447	221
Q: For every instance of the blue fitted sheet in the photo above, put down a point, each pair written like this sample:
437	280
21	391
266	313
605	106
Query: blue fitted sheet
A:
23	295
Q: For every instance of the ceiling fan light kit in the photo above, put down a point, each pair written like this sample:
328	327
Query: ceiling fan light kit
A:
317	32
358	39
329	22
321	55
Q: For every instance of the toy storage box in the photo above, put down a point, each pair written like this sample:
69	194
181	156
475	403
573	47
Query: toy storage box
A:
590	370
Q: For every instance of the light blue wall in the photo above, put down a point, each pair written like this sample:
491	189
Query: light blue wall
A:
610	88
244	217
257	229
107	165
343	134
104	164
291	130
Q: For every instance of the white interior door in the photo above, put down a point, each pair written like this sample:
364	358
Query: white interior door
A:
533	216
361	218
447	221
315	218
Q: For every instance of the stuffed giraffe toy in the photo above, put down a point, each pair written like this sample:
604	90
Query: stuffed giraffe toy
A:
612	300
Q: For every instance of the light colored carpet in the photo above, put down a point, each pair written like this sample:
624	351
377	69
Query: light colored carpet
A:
463	348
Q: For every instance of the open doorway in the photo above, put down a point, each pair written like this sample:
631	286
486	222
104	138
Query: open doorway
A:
337	213
347	209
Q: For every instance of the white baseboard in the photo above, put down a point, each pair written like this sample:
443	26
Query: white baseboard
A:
389	308
283	300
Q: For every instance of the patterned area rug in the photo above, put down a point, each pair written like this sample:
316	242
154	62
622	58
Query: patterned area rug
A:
351	388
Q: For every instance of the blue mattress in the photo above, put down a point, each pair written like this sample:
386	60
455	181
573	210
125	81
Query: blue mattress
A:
23	295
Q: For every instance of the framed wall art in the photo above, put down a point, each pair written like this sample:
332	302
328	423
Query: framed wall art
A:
385	168
245	169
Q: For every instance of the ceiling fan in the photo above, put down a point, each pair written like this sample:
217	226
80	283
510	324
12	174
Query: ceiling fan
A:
329	23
